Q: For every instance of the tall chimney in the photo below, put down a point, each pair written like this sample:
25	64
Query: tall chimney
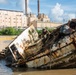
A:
38	7
26	7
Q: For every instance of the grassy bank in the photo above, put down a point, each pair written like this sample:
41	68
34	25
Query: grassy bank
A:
14	31
10	31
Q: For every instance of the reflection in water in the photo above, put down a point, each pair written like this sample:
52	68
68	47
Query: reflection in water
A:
3	69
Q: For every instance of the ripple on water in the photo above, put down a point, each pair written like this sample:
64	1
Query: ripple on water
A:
4	70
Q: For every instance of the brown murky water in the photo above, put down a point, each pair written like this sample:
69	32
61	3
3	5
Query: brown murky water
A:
4	70
48	72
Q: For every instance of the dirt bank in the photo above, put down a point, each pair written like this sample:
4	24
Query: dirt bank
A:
5	41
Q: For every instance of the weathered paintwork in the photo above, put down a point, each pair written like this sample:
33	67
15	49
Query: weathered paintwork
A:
27	43
55	51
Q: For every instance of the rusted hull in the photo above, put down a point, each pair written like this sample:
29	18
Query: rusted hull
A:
61	55
54	51
65	55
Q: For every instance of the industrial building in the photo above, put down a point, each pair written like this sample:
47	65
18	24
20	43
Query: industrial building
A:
11	18
41	21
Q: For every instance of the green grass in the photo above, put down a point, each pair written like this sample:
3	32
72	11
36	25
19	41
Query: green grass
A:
10	31
14	31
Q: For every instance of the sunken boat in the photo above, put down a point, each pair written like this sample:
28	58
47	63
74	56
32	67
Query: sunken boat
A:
56	49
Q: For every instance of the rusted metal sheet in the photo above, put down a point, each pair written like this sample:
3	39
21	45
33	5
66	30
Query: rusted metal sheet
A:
26	43
63	50
60	51
38	62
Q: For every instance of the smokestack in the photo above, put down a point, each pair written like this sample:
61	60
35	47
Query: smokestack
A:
38	7
26	7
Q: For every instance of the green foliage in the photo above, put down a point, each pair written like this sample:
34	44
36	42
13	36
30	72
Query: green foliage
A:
49	29
39	31
18	31
10	31
0	32
14	31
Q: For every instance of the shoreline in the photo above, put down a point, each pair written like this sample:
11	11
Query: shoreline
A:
5	38
5	41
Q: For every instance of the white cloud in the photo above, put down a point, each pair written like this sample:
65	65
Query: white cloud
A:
57	12
23	6
71	16
59	15
3	1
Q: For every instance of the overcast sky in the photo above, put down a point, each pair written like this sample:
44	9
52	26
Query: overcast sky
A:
57	10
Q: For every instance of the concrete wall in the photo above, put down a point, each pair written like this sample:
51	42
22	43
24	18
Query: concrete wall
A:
41	24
